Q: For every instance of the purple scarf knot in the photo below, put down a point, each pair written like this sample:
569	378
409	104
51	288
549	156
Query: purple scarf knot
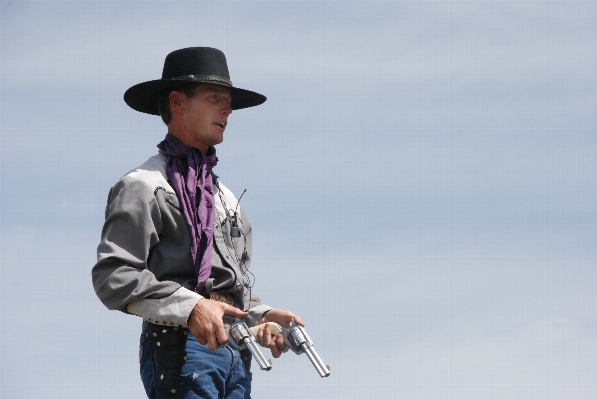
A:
189	172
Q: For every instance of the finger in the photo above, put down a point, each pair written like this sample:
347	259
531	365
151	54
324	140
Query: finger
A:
263	338
259	337
267	335
212	342
232	311
221	334
298	320
209	333
276	352
274	348
200	338
280	344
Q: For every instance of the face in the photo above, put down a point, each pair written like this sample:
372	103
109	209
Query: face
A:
205	116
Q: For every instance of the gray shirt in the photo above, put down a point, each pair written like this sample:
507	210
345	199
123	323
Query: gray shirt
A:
144	264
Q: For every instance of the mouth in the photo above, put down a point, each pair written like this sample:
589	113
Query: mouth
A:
221	125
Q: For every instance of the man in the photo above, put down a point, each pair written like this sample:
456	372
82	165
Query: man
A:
176	244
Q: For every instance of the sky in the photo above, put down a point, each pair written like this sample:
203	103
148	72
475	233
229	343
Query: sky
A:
421	183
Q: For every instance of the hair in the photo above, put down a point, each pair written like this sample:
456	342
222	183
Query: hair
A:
164	100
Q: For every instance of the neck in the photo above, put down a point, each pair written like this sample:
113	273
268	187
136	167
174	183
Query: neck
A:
186	138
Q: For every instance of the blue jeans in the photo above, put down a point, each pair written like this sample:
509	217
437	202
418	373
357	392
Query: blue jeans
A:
206	374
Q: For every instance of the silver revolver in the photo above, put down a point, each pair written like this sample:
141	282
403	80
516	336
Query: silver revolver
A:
298	341
244	338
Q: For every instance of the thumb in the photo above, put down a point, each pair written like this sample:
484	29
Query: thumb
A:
232	311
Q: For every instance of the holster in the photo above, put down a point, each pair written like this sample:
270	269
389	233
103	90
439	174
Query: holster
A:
168	345
245	356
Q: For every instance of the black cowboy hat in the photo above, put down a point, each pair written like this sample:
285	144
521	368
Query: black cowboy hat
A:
188	66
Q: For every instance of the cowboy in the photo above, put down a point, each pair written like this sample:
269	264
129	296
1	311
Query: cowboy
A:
176	244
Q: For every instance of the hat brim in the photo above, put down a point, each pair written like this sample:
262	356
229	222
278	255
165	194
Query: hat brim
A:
143	97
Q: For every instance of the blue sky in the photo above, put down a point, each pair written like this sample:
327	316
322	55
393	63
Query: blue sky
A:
422	184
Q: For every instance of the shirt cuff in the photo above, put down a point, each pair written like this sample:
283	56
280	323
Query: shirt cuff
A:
255	314
173	310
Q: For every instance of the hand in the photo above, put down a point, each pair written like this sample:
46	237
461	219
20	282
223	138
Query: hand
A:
282	317
205	322
264	335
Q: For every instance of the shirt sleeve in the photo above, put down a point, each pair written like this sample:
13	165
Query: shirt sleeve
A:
173	310
121	277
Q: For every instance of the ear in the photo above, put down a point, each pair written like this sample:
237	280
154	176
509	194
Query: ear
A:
177	102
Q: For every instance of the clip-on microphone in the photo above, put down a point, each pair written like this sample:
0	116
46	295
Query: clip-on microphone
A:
234	229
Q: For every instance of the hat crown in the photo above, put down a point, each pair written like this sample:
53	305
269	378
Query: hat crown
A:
196	61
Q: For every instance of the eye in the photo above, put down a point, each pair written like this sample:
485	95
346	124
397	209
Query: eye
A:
217	99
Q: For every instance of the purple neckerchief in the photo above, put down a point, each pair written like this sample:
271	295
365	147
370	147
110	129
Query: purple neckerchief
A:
189	172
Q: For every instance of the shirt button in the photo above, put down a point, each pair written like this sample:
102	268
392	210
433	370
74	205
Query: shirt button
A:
237	285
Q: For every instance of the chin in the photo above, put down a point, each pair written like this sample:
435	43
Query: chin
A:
219	140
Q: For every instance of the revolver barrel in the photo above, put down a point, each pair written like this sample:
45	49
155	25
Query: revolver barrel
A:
319	365
244	338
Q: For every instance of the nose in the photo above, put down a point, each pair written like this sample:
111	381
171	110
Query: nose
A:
227	109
